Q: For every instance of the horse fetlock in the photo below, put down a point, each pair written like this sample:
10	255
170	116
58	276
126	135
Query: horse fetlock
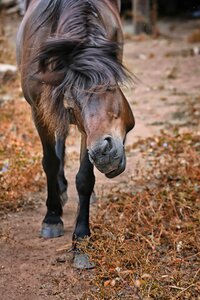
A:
80	239
53	217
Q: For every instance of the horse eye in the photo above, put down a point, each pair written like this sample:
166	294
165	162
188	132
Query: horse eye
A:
111	89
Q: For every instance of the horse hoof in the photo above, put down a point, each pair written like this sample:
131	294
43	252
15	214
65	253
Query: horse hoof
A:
52	230
81	261
63	198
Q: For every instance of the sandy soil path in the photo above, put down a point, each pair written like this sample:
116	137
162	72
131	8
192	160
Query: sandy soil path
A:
31	268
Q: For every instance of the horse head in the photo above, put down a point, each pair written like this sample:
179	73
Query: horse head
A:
106	118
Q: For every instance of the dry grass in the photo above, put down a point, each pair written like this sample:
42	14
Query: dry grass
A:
7	51
20	152
146	245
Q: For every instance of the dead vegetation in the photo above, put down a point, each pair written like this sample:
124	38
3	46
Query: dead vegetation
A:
7	52
20	155
145	241
146	244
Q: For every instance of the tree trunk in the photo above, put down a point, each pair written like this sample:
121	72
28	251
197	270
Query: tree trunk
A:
141	16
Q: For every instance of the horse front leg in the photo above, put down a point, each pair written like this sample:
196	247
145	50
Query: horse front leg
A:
85	181
52	225
62	182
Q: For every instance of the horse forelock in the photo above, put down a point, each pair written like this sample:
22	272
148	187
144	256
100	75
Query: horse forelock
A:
90	69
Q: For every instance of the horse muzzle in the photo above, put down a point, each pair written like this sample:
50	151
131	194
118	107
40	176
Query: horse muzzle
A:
108	156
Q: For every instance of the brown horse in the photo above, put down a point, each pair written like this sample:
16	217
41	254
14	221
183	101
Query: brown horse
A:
69	53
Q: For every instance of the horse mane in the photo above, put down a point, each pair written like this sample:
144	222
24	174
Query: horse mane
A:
80	50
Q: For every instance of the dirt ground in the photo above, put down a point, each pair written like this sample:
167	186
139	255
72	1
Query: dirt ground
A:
33	268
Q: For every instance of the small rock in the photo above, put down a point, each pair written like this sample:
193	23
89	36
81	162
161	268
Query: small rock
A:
6	67
61	259
5	98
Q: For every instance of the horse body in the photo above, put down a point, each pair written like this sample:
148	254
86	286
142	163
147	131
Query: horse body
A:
69	55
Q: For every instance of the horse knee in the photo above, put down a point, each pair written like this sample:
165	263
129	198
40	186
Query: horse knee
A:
85	183
50	164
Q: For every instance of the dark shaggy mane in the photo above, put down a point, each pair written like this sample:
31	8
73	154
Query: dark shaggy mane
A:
80	49
85	68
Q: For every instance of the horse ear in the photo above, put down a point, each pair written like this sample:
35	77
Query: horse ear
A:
128	115
118	4
53	78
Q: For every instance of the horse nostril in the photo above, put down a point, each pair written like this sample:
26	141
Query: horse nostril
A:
102	148
107	145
